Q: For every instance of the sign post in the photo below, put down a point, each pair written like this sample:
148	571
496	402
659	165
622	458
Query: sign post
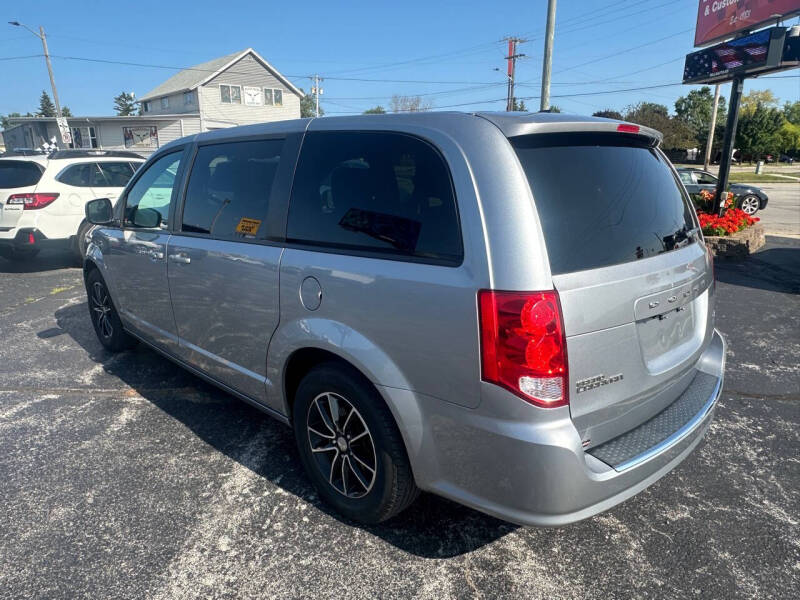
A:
727	144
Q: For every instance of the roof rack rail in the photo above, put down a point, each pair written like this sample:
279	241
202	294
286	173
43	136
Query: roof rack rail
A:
93	153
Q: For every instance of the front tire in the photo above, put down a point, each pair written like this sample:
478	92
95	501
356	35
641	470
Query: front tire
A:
750	205
106	321
350	446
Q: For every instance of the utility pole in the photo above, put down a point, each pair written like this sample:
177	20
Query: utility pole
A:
41	35
547	61
710	141
512	57
316	90
730	137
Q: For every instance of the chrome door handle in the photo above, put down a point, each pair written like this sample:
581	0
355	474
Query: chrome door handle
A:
180	258
156	255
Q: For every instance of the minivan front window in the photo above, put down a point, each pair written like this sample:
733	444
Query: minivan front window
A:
603	199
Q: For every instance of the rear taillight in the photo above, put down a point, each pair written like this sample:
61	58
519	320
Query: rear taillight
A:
523	346
628	128
31	201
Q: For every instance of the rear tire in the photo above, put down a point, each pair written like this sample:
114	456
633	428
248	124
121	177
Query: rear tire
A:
106	321
81	244
350	446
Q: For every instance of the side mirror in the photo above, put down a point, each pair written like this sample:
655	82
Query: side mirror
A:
146	217
99	211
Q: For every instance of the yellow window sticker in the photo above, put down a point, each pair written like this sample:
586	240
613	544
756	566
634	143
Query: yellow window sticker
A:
248	226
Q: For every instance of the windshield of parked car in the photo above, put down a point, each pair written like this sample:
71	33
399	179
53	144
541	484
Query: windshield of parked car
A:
603	199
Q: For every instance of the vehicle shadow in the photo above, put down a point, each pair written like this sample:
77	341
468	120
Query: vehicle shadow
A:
432	528
44	261
776	268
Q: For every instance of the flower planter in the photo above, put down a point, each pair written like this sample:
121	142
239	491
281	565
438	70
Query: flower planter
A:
739	245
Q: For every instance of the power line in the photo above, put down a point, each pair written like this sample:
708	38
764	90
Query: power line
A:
21	57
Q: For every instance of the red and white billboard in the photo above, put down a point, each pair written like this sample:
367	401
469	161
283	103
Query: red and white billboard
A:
720	19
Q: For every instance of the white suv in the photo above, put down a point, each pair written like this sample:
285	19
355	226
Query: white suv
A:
42	198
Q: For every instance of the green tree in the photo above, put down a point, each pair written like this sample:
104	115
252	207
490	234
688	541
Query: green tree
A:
787	139
555	109
755	98
695	110
375	110
46	106
66	112
677	134
519	105
791	110
307	105
609	113
125	104
756	133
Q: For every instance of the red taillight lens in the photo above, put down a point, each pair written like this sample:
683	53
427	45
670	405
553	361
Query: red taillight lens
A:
523	346
31	201
626	128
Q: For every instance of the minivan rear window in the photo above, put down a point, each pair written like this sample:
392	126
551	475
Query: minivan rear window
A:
603	199
18	173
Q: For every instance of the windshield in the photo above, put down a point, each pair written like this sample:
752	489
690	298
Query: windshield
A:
18	173
603	199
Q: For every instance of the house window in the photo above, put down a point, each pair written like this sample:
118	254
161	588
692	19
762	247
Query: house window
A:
84	137
145	107
188	98
273	97
230	94
165	102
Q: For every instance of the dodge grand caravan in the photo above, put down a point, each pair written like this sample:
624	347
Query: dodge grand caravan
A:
515	312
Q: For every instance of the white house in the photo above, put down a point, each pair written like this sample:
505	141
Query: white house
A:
236	89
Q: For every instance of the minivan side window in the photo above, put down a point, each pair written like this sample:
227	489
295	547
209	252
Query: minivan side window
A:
378	192
229	189
154	188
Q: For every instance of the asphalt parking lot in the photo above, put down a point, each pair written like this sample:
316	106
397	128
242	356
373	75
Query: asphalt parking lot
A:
125	477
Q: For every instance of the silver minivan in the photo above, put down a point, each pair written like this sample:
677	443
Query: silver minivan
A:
513	311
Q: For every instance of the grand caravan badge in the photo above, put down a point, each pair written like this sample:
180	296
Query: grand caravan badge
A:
597	381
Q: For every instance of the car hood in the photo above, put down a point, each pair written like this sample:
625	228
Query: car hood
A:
742	188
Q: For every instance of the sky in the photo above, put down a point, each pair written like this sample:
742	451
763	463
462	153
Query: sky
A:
445	51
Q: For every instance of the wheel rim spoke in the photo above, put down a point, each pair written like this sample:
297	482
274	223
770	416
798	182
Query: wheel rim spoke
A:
359	436
327	436
363	464
326	420
354	471
325	449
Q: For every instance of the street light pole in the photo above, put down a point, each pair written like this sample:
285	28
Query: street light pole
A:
41	35
710	141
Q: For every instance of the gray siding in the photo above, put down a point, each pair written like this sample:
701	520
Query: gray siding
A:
176	105
247	72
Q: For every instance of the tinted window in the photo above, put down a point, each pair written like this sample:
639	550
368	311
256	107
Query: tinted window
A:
77	175
686	177
18	173
705	178
154	188
381	192
112	174
603	200
229	189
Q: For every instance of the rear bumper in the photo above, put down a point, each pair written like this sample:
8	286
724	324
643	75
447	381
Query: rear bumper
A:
31	238
527	465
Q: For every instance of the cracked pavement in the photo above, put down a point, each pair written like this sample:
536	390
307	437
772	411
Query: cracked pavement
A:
122	476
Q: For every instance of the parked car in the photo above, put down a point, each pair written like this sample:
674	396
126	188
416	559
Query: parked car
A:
43	198
431	301
747	197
